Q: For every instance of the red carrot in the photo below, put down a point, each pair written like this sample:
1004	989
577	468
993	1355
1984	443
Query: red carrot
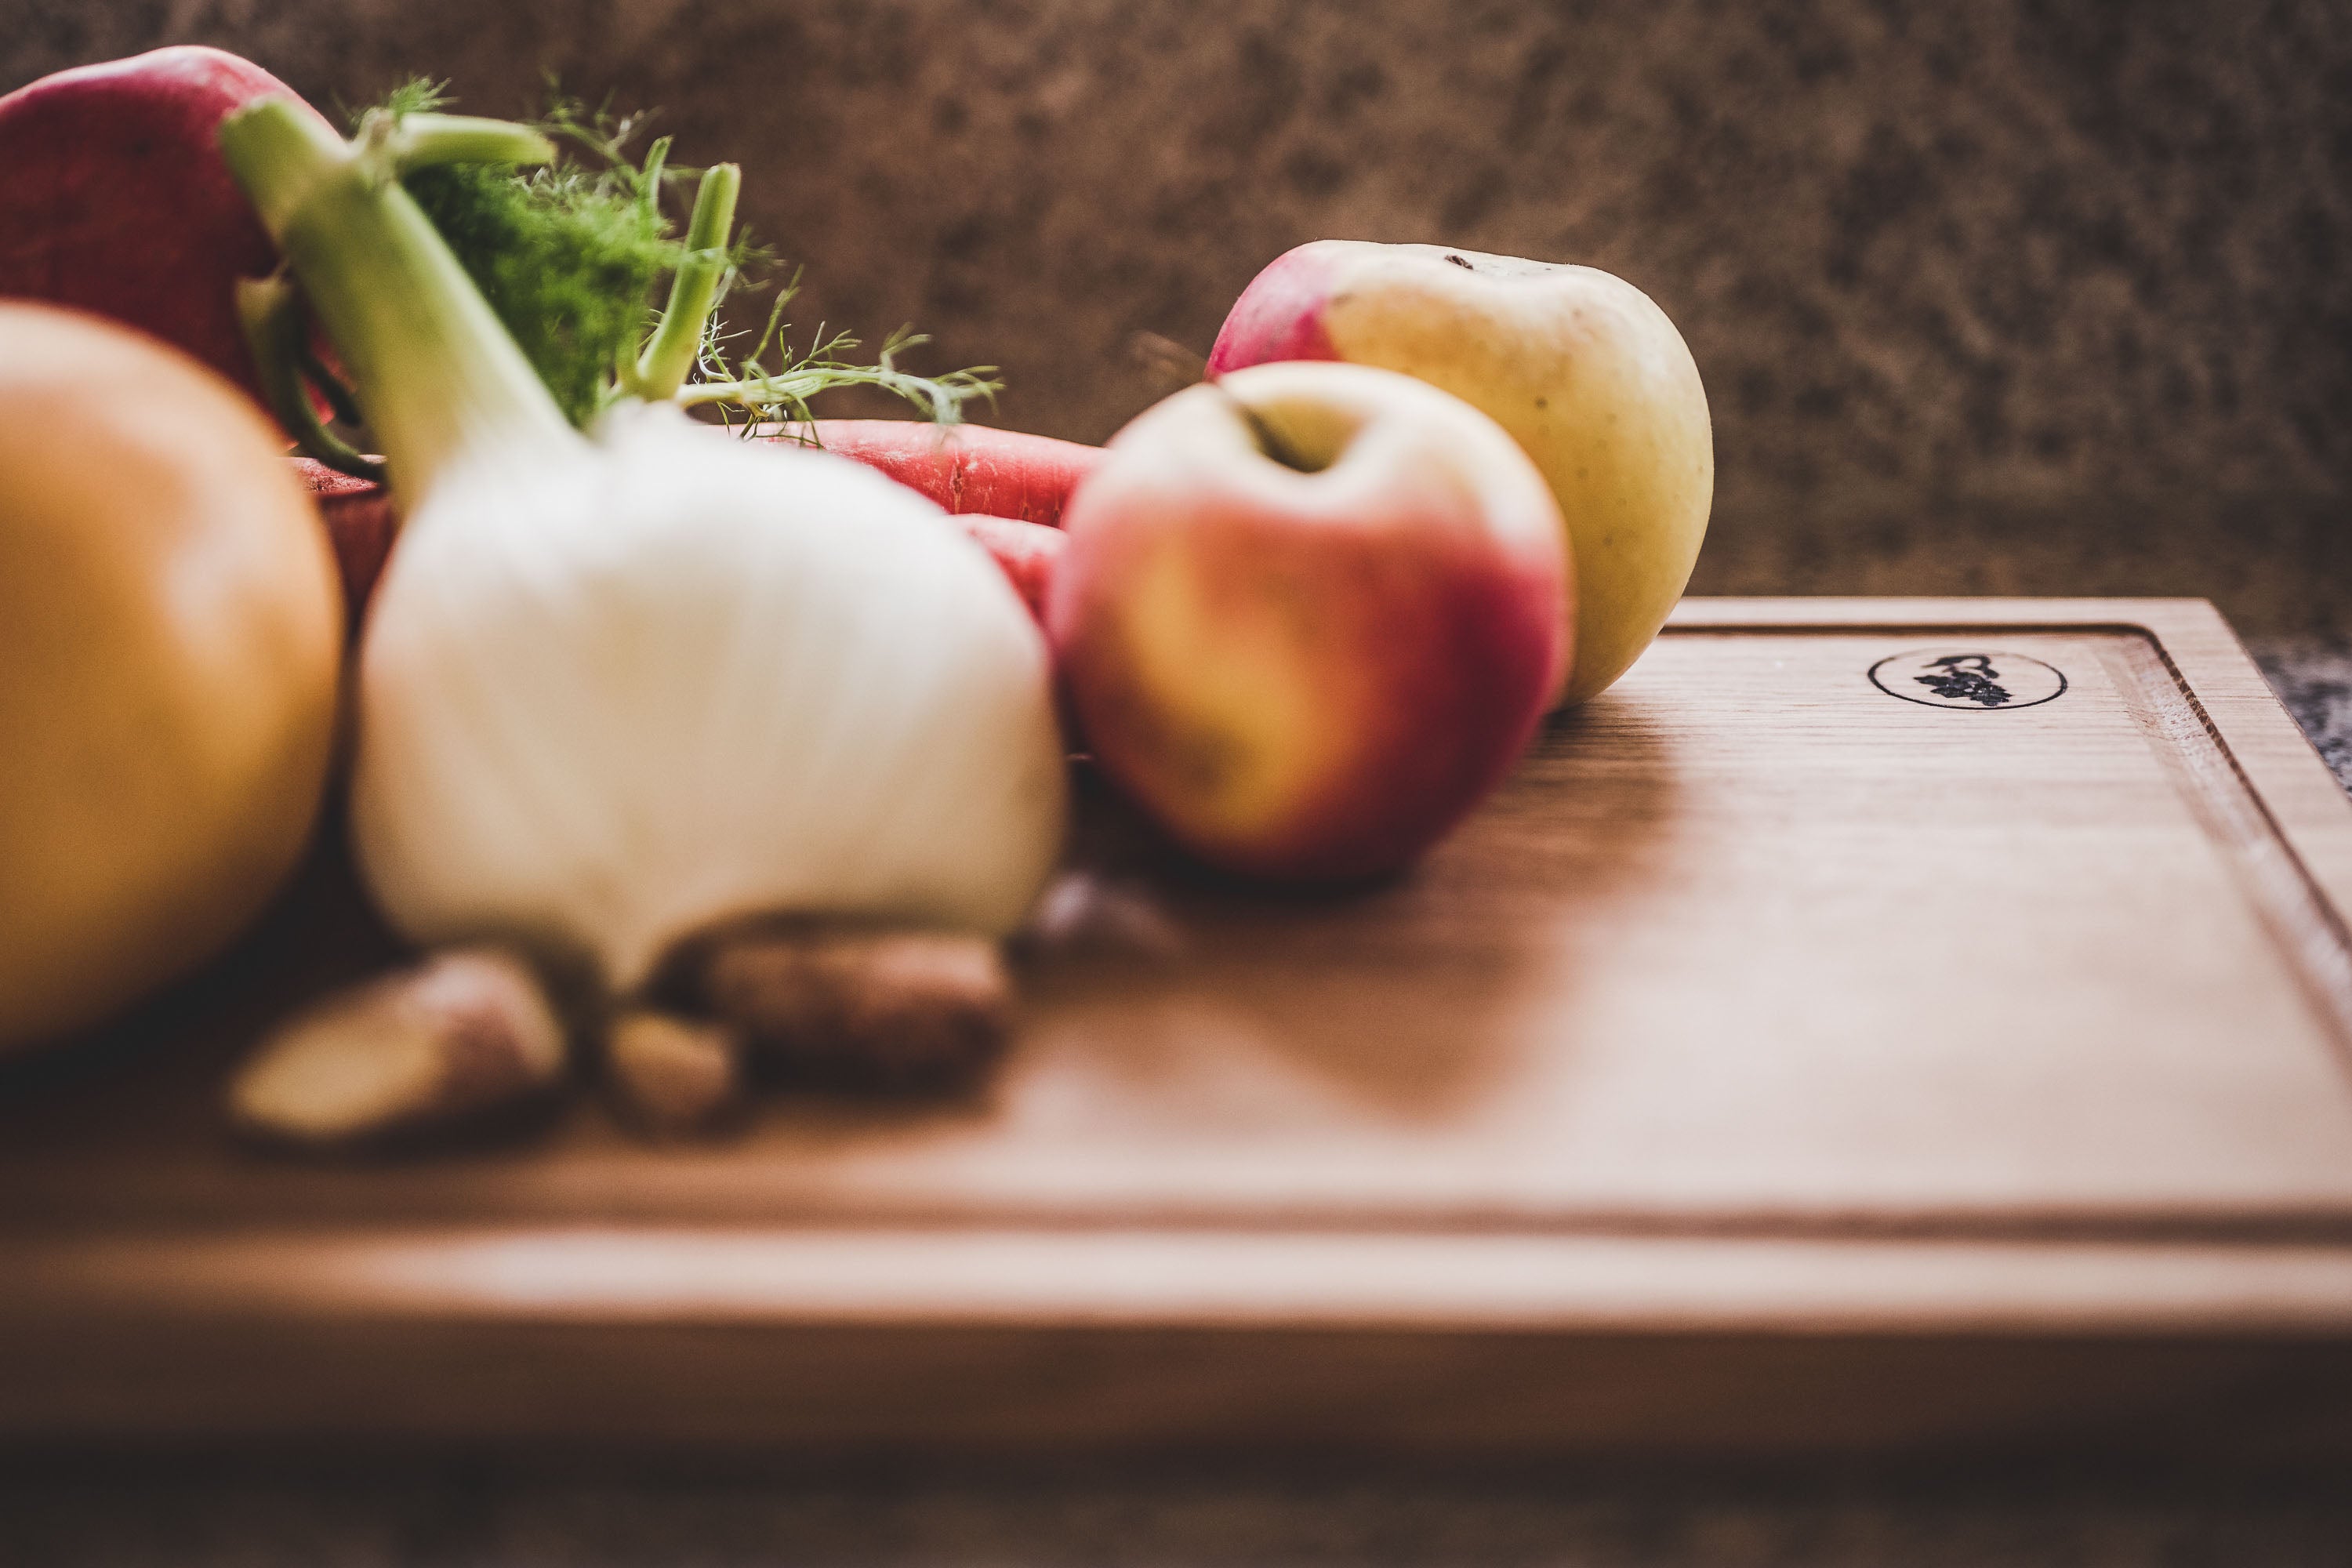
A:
1024	551
969	469
361	525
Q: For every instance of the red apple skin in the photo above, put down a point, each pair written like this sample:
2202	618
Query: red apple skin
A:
1311	677
114	199
1280	315
1583	370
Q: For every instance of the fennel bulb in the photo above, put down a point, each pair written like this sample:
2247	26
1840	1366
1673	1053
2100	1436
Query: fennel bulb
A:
620	686
672	678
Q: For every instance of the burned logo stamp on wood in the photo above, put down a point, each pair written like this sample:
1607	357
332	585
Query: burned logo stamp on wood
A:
1985	679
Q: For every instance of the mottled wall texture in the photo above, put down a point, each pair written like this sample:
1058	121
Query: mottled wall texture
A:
2035	295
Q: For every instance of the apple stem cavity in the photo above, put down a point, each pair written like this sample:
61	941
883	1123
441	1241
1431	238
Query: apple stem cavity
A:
1270	440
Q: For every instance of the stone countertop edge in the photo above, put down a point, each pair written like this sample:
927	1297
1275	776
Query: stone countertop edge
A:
2313	676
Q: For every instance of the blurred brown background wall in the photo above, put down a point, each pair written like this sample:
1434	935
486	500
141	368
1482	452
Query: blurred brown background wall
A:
2002	296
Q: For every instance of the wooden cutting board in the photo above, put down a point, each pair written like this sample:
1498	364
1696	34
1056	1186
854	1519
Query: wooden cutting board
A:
1874	1023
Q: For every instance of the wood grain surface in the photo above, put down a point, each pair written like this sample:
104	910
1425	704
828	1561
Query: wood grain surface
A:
1778	1061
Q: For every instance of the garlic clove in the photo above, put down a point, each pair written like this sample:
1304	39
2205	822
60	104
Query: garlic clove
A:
674	1075
463	1033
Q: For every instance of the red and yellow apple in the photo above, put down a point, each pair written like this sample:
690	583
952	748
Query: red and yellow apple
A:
1584	371
1308	614
114	198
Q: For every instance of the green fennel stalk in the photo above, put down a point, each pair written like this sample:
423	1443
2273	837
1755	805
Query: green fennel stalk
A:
677	345
437	376
566	256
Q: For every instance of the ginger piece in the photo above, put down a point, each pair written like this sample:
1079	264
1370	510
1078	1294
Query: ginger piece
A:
464	1032
673	1073
869	1009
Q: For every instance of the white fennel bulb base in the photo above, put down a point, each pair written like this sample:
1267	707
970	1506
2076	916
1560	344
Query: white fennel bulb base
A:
664	679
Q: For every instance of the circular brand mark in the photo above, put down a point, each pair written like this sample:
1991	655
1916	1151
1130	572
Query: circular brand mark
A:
1981	679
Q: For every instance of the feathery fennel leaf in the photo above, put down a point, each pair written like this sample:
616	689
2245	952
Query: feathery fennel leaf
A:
572	258
567	263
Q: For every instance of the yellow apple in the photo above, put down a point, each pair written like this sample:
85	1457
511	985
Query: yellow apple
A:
1583	370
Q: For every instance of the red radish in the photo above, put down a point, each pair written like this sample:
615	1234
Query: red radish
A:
114	199
969	469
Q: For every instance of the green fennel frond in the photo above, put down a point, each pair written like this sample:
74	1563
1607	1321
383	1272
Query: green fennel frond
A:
573	256
747	390
567	255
